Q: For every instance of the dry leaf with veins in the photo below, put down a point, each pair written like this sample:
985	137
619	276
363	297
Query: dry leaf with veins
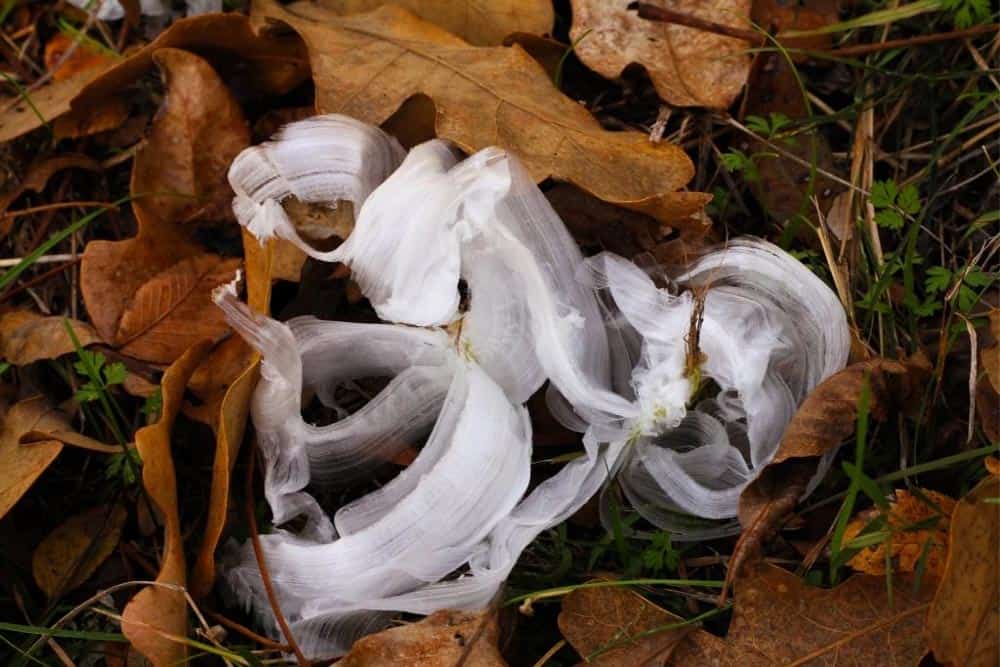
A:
443	639
150	293
908	546
613	626
23	464
480	22
688	67
962	623
75	548
367	65
26	336
779	620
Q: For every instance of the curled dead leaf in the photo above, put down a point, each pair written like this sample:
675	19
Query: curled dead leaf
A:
368	65
73	551
688	67
23	464
477	22
908	544
443	639
229	405
963	620
613	626
27	337
198	132
278	65
822	422
779	620
157	613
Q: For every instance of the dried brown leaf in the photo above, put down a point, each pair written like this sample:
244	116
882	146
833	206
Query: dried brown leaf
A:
779	620
616	627
73	56
963	620
278	65
157	611
907	547
27	337
73	551
822	422
174	309
991	354
21	465
369	65
688	67
198	132
229	402
443	639
475	21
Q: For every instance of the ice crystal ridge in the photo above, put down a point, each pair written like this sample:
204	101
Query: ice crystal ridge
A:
613	347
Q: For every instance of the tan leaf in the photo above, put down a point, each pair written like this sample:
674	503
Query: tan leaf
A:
27	337
443	639
21	465
688	67
73	56
73	551
187	135
991	354
480	22
278	66
156	611
907	547
613	626
822	422
231	401
368	65
779	620
963	620
174	309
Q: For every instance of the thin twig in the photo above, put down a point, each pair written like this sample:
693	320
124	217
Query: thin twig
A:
247	632
38	279
258	552
664	15
889	44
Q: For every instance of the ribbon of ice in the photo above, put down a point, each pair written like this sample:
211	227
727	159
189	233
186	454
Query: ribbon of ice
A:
616	368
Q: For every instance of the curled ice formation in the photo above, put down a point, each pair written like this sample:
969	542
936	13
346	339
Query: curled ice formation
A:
681	394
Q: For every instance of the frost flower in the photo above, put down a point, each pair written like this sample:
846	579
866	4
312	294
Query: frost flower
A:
685	393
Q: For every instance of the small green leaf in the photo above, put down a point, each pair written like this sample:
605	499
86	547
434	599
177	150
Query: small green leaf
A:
967	298
4	367
883	194
938	279
115	373
153	405
89	363
88	393
977	278
734	160
759	125
909	200
889	219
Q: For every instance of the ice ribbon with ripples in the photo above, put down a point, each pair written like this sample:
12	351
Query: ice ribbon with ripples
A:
612	345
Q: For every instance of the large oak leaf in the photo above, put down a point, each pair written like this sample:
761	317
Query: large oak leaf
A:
368	65
178	175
